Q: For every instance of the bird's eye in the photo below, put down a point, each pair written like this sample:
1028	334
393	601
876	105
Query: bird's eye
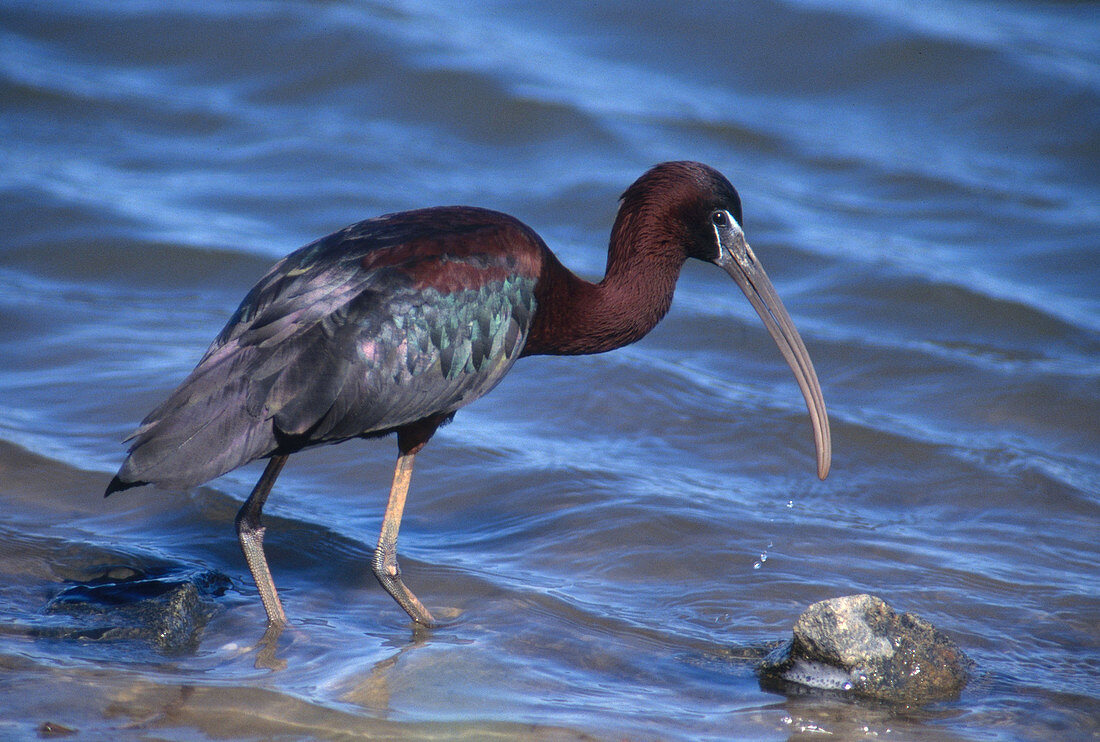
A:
720	219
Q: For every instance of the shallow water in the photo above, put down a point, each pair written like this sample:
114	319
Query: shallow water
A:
618	532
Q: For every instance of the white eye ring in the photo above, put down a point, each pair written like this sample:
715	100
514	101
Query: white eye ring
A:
720	219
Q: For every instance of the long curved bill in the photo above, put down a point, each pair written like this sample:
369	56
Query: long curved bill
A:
736	258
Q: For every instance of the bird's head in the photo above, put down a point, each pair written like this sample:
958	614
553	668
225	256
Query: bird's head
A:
700	215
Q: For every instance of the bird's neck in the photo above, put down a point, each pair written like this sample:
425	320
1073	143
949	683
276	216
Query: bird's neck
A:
574	316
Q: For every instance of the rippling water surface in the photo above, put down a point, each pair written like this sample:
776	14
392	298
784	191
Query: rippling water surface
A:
922	181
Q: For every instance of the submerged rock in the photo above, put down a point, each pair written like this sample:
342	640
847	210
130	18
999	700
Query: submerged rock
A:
859	644
165	609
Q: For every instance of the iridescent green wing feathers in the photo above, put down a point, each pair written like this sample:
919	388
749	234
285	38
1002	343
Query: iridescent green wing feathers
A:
364	331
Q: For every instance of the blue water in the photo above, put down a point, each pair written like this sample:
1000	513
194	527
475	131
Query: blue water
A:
922	182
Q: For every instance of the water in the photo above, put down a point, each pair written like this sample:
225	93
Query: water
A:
921	181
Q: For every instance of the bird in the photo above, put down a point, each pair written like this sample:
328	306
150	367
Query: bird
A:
392	324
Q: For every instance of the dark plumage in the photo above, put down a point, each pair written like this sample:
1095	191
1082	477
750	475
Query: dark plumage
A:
356	334
394	323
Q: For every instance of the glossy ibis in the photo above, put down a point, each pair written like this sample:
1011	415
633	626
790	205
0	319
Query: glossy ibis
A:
392	324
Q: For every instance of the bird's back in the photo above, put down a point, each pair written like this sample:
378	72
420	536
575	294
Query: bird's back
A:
371	328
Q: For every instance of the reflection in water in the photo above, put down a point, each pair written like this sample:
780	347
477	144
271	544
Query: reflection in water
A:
267	649
372	691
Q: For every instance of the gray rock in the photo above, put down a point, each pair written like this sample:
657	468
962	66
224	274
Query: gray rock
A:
858	644
162	608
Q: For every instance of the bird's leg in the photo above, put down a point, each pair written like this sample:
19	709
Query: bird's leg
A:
251	535
384	563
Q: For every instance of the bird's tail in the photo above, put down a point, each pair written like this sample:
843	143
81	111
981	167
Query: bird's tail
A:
204	429
117	485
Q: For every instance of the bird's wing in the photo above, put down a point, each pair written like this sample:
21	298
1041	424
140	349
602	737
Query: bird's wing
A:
371	328
395	353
